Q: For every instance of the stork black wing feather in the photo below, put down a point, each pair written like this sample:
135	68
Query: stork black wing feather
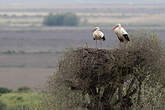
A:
126	37
103	38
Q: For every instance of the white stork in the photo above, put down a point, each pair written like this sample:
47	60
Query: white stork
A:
98	35
121	33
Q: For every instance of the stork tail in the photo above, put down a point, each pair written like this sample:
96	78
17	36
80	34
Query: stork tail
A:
126	37
103	38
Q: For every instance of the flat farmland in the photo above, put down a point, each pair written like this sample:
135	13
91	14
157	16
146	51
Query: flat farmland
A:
28	57
57	40
135	15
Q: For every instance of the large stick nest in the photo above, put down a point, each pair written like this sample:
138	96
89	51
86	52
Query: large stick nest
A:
84	68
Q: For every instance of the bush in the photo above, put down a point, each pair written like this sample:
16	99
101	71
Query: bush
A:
101	79
64	19
4	90
24	89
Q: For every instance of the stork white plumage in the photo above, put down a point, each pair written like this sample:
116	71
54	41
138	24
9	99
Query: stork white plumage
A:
121	33
98	35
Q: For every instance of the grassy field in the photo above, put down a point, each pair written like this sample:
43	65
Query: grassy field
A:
20	101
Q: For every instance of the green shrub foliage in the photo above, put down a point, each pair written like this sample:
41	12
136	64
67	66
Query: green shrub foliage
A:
24	89
4	90
64	19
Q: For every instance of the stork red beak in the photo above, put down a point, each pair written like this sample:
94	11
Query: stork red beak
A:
113	28
93	30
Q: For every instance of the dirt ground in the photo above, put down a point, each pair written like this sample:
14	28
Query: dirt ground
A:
18	77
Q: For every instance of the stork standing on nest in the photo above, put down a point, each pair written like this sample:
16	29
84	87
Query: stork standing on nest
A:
98	35
122	34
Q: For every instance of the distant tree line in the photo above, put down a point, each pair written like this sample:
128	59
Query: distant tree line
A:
62	19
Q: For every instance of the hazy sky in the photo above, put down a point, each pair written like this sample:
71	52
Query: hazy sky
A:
81	1
54	3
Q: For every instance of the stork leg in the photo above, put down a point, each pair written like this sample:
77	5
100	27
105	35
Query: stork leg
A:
119	44
96	43
125	43
101	44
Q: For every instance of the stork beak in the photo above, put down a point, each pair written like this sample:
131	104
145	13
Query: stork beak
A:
114	27
93	30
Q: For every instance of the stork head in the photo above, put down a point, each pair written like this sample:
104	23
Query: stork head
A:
96	29
116	26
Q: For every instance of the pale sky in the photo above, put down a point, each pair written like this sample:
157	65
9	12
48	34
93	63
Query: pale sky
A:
82	1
